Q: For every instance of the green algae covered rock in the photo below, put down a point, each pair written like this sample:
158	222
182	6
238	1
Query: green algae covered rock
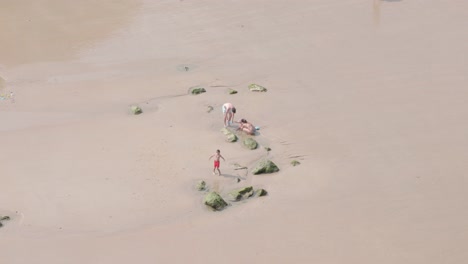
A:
232	91
201	185
295	163
136	110
242	193
260	192
215	201
197	90
257	88
230	137
250	143
265	166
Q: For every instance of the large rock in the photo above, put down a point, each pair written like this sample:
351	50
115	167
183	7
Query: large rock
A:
215	201
136	110
257	88
265	166
250	143
242	193
197	90
230	137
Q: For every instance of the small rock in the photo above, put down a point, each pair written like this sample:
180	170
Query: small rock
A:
260	192
267	148
197	90
265	166
242	193
136	110
257	88
201	185
210	108
250	143
232	91
295	163
215	201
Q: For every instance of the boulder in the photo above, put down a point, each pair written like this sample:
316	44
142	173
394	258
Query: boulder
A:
136	110
215	201
257	88
242	193
232	91
260	192
250	143
265	166
295	163
230	137
201	185
197	90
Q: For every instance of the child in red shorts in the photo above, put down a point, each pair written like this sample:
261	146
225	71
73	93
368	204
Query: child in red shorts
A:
216	156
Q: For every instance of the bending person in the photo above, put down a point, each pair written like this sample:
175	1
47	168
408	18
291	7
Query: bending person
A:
246	127
228	110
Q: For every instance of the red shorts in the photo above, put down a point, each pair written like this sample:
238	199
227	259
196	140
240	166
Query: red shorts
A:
216	163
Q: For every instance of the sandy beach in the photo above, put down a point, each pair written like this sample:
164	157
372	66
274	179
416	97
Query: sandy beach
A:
370	96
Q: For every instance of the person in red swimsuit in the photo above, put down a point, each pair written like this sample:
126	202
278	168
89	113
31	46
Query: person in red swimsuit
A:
216	156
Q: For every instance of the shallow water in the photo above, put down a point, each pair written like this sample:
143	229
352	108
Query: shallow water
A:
53	30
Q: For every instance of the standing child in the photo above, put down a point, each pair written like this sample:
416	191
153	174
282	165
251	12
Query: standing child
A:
216	156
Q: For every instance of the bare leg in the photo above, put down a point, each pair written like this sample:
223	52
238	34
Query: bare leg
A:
229	117
219	172
226	119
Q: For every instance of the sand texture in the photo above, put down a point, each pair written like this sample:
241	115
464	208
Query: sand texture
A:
369	96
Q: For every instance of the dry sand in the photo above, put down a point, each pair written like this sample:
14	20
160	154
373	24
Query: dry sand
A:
370	96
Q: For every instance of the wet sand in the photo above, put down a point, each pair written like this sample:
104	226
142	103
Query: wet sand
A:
369	96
